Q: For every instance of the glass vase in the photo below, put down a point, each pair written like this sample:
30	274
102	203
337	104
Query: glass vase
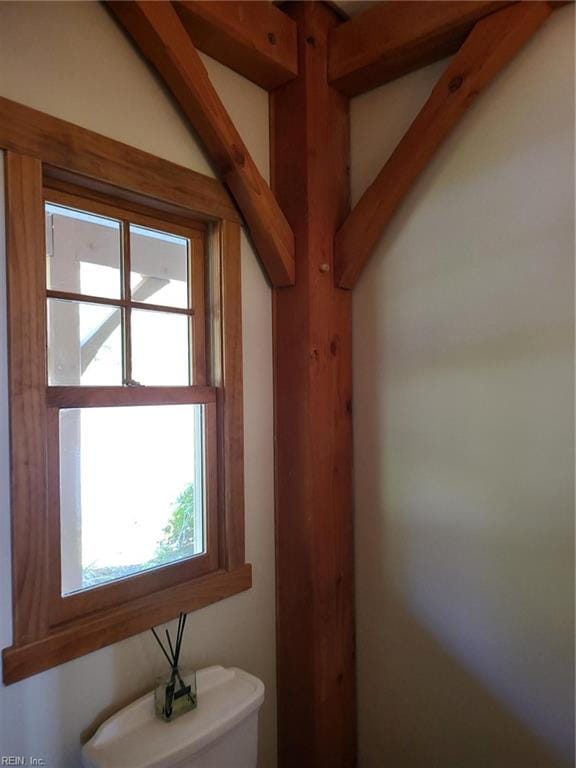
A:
175	694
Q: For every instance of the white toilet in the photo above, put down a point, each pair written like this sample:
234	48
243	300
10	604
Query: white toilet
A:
221	733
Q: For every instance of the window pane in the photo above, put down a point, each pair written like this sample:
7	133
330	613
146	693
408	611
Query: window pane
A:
160	348
159	267
131	490
84	344
83	252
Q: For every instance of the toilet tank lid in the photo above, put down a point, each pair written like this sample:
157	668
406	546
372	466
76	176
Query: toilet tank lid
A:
136	738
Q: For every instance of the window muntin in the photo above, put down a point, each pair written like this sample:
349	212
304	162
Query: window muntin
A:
149	276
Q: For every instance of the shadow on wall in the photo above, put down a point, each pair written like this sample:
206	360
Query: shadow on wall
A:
464	529
443	683
426	710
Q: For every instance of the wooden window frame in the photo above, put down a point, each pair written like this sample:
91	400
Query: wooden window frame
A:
44	153
69	196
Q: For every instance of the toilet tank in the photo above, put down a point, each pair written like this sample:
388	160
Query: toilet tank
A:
221	733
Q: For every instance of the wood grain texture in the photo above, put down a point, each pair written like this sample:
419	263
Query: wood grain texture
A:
226	309
27	385
160	36
399	36
490	46
109	627
73	149
102	397
254	38
313	423
197	258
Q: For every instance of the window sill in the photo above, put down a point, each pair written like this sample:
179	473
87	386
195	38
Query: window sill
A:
100	629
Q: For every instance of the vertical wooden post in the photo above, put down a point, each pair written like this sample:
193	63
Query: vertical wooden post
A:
313	391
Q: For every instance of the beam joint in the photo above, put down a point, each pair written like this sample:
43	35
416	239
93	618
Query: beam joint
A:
158	33
493	42
255	39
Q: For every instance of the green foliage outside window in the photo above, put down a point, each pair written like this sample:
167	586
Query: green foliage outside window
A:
176	543
178	540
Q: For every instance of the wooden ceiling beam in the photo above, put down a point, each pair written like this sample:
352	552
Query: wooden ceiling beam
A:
255	39
158	33
396	37
493	42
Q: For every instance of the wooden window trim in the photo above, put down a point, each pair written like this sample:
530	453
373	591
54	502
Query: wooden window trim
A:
67	194
44	150
99	164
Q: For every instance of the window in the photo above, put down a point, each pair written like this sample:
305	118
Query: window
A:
125	308
126	398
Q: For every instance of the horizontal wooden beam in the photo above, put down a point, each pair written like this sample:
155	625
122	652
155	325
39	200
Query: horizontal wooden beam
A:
254	38
491	45
396	37
158	33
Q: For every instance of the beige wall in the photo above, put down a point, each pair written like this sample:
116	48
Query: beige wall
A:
70	59
463	376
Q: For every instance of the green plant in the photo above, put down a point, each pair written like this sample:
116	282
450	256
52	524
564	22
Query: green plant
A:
177	543
179	533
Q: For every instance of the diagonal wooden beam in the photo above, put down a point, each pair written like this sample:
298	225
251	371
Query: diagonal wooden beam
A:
254	38
491	45
161	38
394	38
